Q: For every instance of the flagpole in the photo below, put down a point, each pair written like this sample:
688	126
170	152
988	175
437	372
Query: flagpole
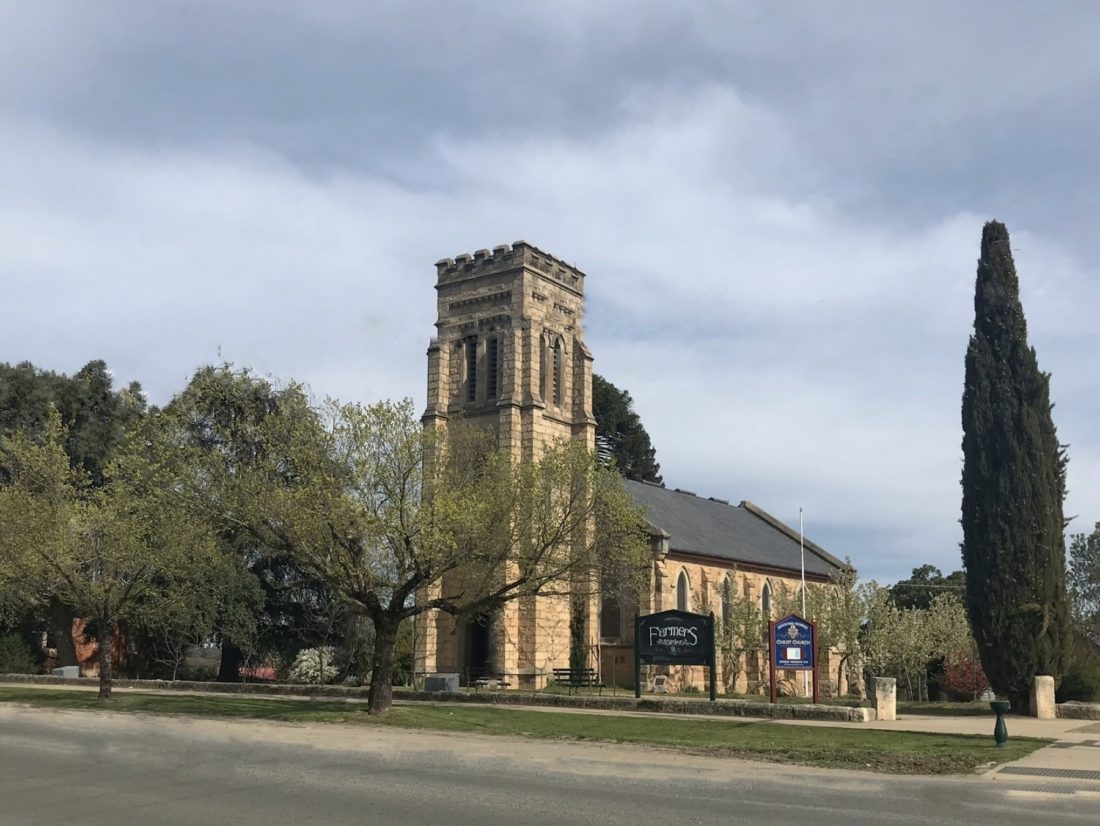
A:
802	553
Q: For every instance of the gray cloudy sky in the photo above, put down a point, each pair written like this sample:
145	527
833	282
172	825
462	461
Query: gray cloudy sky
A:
778	206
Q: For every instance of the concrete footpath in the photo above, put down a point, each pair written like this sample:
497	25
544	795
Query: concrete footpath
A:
1072	760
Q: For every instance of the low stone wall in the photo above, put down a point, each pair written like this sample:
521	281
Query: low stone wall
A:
722	708
270	689
663	705
1079	711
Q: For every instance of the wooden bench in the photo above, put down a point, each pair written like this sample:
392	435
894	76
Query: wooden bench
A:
575	678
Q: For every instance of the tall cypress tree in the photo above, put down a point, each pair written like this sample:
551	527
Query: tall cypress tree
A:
1013	485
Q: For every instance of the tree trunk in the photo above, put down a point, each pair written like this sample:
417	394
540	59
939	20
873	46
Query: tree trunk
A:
578	632
105	639
61	621
1020	701
229	667
380	697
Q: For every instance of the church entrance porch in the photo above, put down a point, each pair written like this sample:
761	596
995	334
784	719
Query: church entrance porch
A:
477	649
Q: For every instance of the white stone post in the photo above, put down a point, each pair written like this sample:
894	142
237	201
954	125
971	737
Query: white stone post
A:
886	698
1042	698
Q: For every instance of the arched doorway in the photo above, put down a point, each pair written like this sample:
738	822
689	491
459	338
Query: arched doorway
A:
478	654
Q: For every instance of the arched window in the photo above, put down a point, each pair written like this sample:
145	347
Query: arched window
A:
544	365
727	598
550	362
683	586
611	616
556	372
766	601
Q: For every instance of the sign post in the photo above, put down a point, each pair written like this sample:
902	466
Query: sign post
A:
674	638
711	669
793	644
637	658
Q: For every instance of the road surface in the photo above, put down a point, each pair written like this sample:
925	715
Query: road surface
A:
101	768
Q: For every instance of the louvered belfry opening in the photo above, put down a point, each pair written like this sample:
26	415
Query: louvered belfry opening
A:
493	358
471	369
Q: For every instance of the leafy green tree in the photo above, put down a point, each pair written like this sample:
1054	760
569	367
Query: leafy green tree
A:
221	414
925	584
620	436
16	657
191	607
1082	677
100	550
904	642
1013	485
1084	581
95	417
397	519
837	611
739	628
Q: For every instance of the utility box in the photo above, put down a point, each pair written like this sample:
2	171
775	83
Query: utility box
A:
70	671
445	682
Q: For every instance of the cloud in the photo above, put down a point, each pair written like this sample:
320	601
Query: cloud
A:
779	216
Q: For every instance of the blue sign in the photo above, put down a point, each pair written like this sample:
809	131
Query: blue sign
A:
793	643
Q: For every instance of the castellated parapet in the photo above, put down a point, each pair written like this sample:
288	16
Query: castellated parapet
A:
508	257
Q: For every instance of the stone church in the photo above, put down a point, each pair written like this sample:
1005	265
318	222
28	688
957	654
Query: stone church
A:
509	350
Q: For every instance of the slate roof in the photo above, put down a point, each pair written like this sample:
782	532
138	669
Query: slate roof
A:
736	533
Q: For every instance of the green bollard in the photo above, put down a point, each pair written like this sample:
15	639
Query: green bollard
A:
1000	731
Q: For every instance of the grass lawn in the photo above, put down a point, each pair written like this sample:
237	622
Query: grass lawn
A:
836	747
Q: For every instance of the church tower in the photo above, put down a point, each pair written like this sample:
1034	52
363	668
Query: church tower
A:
509	348
509	351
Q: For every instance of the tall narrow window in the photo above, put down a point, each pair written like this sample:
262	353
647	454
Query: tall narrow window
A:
727	599
492	356
557	373
682	588
544	366
766	608
471	369
611	615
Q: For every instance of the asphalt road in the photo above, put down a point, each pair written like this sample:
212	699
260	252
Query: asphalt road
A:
98	768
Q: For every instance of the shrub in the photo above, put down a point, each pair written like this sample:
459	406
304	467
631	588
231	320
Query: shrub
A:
16	657
1082	679
314	666
963	679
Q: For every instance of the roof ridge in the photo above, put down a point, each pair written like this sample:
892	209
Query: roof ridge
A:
661	485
